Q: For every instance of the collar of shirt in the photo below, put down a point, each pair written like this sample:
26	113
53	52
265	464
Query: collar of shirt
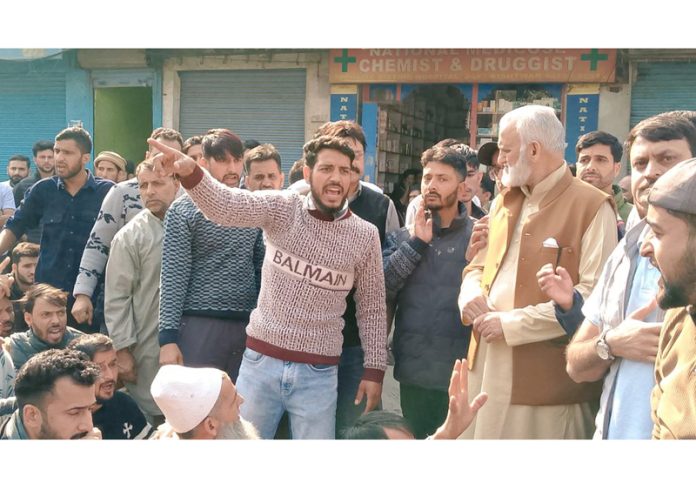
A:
311	206
543	187
90	184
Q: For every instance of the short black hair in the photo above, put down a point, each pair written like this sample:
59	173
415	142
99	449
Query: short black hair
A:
250	144
217	142
592	138
192	141
457	157
37	377
90	344
79	135
343	129
663	127
313	147
371	425
168	134
262	153
296	172
19	158
42	145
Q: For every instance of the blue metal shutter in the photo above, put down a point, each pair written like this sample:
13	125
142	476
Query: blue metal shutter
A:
265	105
662	87
32	108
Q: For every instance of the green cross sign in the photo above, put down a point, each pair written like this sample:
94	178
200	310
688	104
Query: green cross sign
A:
593	57
345	60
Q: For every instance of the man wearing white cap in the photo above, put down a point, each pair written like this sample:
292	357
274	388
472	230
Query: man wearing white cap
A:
199	403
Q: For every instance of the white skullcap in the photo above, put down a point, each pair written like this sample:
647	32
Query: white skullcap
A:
186	395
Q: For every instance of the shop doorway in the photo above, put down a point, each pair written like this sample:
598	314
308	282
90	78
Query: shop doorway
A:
123	121
412	118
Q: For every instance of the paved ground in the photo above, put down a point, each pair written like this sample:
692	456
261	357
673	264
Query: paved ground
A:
390	392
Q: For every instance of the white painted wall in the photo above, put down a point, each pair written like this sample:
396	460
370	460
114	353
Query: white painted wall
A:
615	114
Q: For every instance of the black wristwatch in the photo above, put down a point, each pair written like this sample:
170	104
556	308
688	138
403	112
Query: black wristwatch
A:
602	348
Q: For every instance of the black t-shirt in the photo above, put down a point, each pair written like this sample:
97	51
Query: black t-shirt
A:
120	418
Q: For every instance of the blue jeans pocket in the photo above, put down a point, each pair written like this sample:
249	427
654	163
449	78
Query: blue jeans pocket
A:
322	368
252	356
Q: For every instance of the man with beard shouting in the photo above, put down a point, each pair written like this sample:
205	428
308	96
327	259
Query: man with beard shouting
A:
317	250
115	414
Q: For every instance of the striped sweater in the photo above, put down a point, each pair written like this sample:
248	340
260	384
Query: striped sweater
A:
312	262
207	269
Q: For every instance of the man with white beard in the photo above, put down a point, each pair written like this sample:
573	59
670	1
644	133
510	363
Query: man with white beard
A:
517	349
199	403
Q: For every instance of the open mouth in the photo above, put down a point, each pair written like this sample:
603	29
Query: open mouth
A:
333	191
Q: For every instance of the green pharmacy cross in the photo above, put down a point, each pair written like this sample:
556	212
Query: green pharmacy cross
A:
593	57
345	60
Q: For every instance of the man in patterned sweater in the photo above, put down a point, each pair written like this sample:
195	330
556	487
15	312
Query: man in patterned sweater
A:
317	250
120	205
210	273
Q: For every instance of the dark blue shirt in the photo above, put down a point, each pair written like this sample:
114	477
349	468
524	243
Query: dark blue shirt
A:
67	221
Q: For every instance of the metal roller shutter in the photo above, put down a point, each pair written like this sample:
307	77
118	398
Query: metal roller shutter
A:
662	87
265	105
32	107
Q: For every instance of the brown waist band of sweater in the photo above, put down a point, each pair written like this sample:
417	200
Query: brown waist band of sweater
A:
276	352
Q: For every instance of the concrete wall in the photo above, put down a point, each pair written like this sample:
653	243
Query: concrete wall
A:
318	98
615	114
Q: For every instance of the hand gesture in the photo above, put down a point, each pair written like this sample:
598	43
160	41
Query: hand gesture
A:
126	366
373	390
558	285
479	238
635	338
489	327
170	354
83	310
423	226
461	413
474	308
171	161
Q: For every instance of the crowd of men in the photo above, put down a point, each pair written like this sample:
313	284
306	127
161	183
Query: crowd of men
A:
190	297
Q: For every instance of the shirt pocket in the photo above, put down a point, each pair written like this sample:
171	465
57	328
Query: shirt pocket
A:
52	216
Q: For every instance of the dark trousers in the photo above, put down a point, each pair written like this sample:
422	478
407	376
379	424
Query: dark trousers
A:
425	410
213	342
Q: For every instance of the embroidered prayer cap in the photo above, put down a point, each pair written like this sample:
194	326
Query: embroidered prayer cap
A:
113	157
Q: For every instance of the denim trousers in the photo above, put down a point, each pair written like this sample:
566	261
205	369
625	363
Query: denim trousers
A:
306	391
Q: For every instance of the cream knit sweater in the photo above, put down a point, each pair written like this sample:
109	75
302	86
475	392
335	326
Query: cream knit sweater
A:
312	261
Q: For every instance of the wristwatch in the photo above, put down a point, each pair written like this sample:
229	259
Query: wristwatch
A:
602	348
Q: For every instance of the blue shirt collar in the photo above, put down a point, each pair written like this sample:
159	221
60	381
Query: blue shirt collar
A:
90	184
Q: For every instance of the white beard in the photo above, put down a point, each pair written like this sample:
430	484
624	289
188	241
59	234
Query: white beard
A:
517	175
241	429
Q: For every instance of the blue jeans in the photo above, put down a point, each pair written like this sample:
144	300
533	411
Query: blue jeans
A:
306	391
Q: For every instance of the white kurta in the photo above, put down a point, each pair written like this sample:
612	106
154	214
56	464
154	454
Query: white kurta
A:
131	303
492	372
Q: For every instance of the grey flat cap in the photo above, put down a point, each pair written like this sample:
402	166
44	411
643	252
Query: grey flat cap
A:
676	189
